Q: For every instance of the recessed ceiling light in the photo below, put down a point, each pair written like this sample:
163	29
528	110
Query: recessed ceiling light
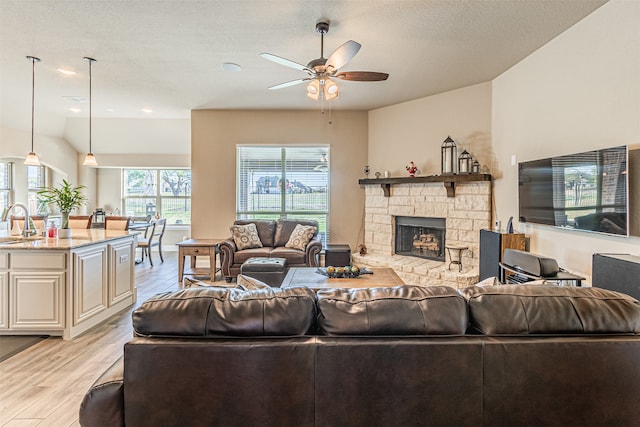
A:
66	71
230	66
147	110
74	110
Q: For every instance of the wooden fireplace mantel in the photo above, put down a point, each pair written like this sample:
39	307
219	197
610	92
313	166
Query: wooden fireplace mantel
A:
449	181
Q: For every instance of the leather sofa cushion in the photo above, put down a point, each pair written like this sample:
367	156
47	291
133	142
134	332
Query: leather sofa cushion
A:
205	312
285	227
400	310
240	257
266	229
545	309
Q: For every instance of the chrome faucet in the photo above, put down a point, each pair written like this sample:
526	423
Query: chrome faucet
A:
27	219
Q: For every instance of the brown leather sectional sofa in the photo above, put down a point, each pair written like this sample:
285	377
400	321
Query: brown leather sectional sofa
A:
273	236
512	355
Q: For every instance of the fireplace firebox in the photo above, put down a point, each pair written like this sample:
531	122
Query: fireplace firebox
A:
420	237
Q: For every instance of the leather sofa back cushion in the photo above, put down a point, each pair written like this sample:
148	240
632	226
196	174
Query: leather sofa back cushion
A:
400	310
544	309
266	229
285	227
212	311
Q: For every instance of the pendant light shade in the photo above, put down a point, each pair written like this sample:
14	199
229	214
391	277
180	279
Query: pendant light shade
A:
90	159
32	157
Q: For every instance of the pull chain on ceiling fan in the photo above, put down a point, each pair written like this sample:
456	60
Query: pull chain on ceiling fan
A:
321	71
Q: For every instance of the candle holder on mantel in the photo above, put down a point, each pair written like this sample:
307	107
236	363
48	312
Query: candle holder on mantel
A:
475	167
448	156
464	162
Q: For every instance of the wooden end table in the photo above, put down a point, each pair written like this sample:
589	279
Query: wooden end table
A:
194	248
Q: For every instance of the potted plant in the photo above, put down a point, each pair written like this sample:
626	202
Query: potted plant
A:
67	198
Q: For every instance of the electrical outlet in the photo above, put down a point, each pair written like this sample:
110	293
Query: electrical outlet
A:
124	258
513	160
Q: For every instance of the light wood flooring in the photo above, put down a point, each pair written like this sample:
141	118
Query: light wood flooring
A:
44	384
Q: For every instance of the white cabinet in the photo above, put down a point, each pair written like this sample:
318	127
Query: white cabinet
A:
36	300
36	291
65	288
4	291
121	262
89	280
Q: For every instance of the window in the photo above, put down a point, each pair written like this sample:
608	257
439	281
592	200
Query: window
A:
5	185
164	193
36	181
283	182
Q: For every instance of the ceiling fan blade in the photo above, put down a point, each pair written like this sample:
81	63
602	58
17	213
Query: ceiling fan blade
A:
286	62
287	84
362	76
342	55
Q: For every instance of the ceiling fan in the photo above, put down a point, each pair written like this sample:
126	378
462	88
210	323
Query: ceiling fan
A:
321	70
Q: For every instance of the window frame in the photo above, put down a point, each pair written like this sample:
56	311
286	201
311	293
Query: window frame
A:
8	191
158	195
282	167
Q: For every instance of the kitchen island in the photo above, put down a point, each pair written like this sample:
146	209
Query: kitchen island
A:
63	287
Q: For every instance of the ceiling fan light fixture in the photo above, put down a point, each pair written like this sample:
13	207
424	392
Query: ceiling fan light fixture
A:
330	90
313	89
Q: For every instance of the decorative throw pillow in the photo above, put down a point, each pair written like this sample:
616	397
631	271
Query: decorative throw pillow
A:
300	236
249	283
246	236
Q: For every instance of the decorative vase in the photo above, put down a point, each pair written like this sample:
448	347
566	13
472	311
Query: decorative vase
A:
64	233
64	219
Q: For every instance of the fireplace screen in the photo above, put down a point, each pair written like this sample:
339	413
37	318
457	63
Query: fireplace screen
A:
420	237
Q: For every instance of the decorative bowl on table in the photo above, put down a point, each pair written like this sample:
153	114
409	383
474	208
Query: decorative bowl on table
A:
340	272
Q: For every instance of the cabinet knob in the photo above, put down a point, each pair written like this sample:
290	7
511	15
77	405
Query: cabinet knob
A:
196	251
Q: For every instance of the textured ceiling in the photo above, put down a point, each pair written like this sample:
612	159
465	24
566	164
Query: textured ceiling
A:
167	56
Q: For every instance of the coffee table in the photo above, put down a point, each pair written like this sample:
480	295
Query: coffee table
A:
307	276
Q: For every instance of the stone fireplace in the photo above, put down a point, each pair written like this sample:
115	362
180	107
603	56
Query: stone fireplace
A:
464	212
420	237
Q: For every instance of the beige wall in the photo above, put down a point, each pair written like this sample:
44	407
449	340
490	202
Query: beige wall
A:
414	131
53	152
579	92
215	134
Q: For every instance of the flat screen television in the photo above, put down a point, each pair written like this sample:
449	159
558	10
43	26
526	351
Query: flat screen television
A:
584	191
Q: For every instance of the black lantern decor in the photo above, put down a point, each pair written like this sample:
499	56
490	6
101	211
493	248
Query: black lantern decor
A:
449	154
464	162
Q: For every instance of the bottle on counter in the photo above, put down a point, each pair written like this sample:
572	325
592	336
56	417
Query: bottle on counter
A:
53	231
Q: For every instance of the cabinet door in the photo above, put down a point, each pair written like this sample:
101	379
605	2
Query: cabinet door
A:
37	300
89	282
120	271
4	300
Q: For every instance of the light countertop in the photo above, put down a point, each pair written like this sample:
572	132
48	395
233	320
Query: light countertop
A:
79	237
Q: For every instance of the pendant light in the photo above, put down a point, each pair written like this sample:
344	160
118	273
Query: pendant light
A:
32	157
90	159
